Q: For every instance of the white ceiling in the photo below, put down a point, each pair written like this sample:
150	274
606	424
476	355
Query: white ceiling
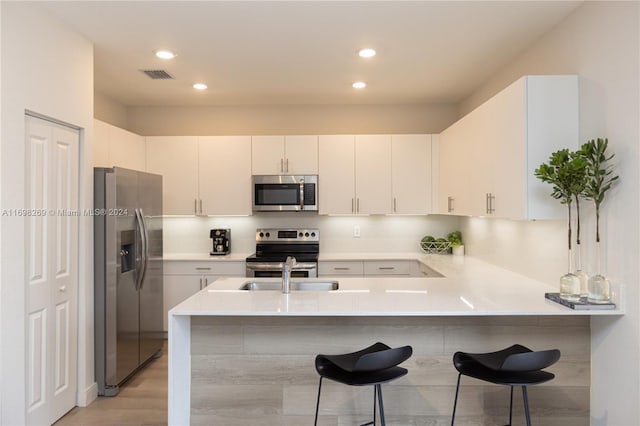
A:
304	52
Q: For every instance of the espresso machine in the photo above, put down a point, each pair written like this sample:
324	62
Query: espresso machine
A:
221	241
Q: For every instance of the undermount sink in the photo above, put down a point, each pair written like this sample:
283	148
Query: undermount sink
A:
295	286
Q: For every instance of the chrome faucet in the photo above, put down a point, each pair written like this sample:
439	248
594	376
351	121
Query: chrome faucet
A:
286	274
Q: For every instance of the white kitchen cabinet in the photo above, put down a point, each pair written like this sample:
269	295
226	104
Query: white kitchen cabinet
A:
224	170
183	279
207	175
340	268
411	168
337	174
291	155
355	174
176	159
114	146
488	158
405	268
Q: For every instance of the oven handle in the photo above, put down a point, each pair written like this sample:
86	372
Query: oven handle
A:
278	266
301	193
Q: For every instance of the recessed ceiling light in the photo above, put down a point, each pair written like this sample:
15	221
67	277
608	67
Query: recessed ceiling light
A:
165	54
367	53
200	86
359	85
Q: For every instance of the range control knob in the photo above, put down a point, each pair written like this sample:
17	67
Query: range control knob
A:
268	235
313	234
306	234
261	234
300	234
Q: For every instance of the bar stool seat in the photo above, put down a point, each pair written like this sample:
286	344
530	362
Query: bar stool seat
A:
373	365
516	365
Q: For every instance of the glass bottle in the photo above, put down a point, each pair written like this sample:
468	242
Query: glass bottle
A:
580	273
570	283
599	287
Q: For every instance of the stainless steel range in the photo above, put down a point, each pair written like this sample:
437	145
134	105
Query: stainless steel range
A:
274	245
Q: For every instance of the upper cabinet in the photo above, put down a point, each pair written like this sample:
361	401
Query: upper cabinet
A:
488	158
375	174
284	155
411	174
224	175
202	175
355	174
176	159
113	146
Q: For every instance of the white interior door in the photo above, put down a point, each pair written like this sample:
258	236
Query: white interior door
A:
52	269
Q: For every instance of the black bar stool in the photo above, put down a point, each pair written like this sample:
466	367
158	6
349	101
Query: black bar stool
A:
374	365
513	366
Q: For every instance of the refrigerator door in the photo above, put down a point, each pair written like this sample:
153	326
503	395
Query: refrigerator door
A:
128	269
151	309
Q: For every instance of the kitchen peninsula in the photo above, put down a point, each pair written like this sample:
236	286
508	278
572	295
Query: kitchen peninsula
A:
244	357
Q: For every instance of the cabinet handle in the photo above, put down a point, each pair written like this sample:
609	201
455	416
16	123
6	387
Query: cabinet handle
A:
353	209
200	283
287	165
203	268
201	206
395	205
195	206
358	205
489	203
206	281
449	204
341	268
282	165
386	268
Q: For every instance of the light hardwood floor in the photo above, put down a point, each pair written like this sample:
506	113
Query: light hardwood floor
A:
142	401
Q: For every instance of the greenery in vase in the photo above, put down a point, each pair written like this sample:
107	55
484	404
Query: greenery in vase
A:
600	175
566	171
455	238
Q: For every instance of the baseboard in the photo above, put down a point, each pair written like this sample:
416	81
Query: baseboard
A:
88	395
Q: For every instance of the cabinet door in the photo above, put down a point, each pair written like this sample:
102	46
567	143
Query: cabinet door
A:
336	167
225	175
373	174
453	180
301	155
176	289
126	149
411	174
176	159
267	155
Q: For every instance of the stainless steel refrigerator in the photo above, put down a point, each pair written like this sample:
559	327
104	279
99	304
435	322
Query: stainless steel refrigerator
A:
128	273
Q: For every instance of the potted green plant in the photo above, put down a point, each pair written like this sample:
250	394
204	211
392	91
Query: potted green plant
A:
455	239
566	172
600	178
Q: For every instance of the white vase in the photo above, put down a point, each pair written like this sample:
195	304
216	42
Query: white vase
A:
458	250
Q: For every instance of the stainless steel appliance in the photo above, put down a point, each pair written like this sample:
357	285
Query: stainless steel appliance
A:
221	241
127	272
273	246
284	193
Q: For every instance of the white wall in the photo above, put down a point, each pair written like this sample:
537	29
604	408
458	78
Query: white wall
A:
599	41
47	69
377	233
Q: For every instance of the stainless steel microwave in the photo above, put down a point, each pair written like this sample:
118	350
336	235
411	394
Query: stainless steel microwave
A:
276	193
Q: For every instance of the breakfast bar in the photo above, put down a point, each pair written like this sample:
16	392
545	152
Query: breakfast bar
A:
242	356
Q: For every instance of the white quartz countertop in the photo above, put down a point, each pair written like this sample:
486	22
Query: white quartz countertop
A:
470	287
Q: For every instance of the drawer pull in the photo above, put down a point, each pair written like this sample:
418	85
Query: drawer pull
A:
341	268
386	268
208	268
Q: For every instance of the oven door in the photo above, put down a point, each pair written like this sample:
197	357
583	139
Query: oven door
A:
274	270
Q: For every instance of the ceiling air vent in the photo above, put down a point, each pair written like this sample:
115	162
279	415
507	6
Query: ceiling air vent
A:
157	74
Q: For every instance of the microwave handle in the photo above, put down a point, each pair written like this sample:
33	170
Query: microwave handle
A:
301	194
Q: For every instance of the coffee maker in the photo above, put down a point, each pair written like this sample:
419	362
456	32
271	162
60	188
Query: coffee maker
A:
221	241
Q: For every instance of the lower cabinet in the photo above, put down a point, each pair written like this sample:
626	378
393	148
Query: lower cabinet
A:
370	268
183	279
